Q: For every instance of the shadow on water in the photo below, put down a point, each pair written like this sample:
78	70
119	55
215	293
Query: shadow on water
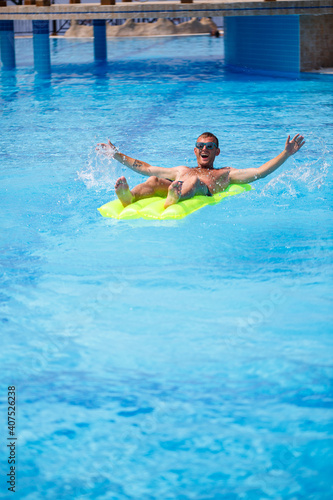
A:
174	69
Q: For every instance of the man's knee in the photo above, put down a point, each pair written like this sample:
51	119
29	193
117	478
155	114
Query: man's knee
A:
153	180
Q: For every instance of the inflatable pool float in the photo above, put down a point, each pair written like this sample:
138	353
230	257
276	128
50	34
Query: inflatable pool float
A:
153	208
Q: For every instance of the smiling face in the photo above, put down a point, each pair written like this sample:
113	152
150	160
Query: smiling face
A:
206	157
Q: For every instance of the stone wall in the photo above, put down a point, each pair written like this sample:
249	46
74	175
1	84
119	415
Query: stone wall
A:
316	41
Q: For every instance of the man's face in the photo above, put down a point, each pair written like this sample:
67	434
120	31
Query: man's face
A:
206	157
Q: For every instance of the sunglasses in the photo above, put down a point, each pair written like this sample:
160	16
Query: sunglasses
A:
209	145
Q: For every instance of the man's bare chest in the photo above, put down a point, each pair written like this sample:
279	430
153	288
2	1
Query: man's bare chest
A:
215	179
211	176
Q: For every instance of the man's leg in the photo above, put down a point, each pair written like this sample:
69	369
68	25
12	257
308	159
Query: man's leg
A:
183	190
153	186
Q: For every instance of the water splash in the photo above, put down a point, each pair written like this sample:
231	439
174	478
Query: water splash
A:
101	171
306	172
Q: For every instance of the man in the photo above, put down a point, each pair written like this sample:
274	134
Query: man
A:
181	183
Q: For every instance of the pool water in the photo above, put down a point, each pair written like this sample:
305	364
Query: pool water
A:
185	359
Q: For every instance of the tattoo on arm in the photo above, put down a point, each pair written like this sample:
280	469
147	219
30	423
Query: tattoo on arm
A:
137	164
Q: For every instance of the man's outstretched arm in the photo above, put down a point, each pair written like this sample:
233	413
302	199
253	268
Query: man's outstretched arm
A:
141	167
253	174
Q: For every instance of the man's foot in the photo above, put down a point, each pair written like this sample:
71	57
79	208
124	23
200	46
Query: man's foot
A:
175	190
123	192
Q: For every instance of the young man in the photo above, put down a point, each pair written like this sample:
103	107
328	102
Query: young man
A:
181	183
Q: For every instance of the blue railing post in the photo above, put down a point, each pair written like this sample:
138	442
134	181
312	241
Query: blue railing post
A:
100	39
7	44
42	58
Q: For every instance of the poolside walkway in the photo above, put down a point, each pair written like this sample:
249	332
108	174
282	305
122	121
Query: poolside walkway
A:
168	9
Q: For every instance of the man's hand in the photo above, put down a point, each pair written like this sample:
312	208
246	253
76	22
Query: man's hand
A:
294	145
108	149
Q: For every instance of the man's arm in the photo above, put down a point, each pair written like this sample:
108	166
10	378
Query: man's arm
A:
253	174
138	166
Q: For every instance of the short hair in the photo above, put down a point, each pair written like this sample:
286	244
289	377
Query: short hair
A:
209	134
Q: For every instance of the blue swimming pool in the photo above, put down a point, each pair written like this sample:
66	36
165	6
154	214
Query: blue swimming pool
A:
186	360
